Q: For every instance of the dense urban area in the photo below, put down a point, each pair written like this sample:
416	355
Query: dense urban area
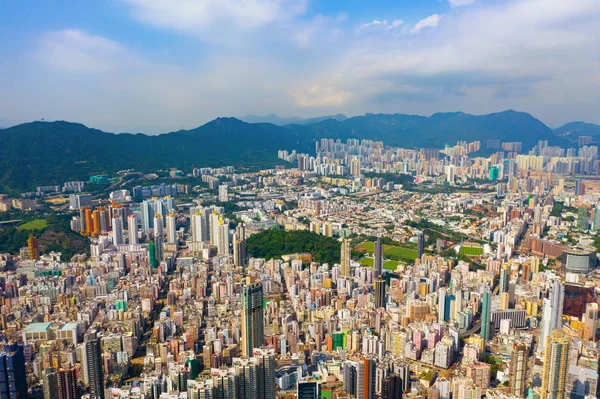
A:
358	270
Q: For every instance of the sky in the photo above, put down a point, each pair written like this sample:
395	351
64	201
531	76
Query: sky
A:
161	65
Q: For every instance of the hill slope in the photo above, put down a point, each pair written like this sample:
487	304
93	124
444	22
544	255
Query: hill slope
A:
280	121
571	131
414	131
44	153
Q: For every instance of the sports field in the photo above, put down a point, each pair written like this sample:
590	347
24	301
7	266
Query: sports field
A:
390	264
471	251
391	251
37	224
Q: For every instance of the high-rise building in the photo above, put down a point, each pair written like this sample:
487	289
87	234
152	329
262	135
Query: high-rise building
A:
13	378
93	361
117	230
579	187
379	293
392	387
171	228
265	359
420	244
345	258
147	215
50	384
355	166
223	237
504	278
239	246
132	228
590	319
556	362
518	370
67	384
159	232
369	367
441	305
450	173
246	371
199	226
223	195
309	390
378	257
252	318
32	247
214	218
552	312
486	310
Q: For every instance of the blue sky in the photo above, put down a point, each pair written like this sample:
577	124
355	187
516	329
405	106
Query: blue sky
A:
160	65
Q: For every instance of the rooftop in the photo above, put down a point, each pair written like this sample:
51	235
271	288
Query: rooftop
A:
38	327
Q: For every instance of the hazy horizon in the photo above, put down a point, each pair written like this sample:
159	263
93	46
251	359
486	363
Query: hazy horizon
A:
162	65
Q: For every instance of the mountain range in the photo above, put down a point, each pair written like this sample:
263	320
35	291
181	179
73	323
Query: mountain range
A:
45	153
282	121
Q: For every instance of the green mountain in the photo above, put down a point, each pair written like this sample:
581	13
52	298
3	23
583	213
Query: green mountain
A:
571	131
414	131
44	153
281	121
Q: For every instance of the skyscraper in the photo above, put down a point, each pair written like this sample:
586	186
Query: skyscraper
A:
552	312
32	247
355	166
579	187
252	318
50	384
379	293
518	370
223	195
265	359
147	215
13	378
171	228
378	257
67	384
556	358
486	309
345	258
239	246
117	230
199	226
159	232
420	244
441	305
591	320
93	360
223	237
132	227
214	227
392	387
370	364
504	278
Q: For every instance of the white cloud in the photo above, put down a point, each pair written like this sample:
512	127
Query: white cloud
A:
376	24
431	21
531	55
525	54
202	16
460	3
74	50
